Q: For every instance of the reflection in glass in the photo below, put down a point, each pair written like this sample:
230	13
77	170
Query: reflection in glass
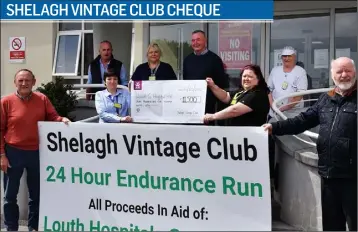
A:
175	42
237	44
67	54
346	34
88	54
309	35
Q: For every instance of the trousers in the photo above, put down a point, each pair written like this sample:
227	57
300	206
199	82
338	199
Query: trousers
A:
20	160
339	204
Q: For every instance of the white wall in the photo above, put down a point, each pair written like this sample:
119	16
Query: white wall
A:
141	42
40	42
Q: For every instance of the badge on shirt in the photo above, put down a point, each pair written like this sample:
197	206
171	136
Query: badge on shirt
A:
152	77
117	105
284	85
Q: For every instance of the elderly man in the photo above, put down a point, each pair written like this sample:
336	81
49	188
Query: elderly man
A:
19	145
104	61
336	114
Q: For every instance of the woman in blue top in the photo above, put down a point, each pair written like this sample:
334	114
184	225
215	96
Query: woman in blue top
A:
154	69
113	104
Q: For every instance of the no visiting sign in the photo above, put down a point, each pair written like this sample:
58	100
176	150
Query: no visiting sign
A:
17	47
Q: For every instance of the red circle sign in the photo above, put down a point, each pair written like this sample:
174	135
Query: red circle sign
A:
16	44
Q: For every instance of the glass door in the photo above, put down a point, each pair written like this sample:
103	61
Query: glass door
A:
309	35
174	39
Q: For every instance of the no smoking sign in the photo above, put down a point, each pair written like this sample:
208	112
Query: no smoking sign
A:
17	46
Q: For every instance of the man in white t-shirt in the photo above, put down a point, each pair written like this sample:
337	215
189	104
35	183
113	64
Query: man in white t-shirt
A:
286	79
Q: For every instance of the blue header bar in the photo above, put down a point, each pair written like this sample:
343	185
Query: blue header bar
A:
125	10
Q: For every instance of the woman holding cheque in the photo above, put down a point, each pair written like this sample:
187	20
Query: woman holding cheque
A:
113	104
249	105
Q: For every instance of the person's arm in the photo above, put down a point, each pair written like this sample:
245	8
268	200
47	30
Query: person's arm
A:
123	77
250	101
302	122
232	111
185	72
51	113
89	81
271	87
3	126
135	75
128	99
270	98
100	108
300	84
171	73
221	78
220	94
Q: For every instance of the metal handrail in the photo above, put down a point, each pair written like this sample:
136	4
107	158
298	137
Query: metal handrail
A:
296	94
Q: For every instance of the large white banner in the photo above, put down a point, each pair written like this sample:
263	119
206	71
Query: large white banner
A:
168	101
128	177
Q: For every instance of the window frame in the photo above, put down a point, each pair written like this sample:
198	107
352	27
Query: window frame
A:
331	11
80	53
66	33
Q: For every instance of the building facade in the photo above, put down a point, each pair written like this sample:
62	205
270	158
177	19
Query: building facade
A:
319	31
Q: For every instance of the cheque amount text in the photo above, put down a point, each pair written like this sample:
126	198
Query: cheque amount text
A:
191	99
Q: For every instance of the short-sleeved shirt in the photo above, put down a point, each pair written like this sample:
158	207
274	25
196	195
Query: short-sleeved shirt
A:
281	83
257	100
111	108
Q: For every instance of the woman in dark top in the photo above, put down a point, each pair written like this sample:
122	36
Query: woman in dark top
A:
249	105
154	69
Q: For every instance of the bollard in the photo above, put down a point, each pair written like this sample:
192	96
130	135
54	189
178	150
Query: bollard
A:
22	196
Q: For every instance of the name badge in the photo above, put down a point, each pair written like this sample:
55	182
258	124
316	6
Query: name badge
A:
117	105
152	77
284	85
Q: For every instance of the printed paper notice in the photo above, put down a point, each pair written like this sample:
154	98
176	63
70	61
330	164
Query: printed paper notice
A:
168	101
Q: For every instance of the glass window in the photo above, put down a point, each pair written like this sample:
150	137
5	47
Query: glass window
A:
346	34
238	44
67	54
88	54
309	35
174	39
84	55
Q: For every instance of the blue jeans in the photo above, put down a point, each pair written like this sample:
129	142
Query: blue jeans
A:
20	160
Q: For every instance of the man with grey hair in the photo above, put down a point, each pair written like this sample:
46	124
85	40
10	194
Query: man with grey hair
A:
336	114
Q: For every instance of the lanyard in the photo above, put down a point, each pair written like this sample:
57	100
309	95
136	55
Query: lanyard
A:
153	71
115	100
236	96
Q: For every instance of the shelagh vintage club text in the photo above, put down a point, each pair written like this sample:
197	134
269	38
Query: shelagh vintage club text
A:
217	148
112	10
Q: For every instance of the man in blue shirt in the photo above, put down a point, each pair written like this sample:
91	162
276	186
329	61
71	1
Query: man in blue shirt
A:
104	61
